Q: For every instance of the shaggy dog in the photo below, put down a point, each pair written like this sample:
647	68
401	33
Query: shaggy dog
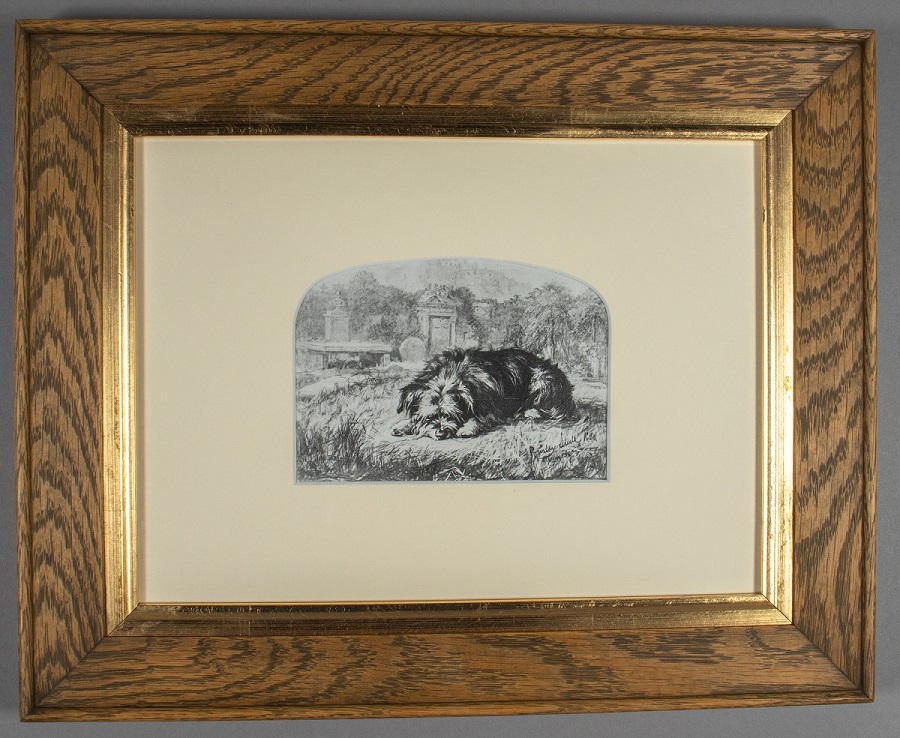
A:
461	393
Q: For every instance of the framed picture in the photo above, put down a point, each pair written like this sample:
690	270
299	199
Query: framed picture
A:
392	369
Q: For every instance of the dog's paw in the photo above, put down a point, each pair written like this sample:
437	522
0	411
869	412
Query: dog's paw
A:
403	428
468	429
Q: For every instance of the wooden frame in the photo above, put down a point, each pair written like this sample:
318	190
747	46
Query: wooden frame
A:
89	650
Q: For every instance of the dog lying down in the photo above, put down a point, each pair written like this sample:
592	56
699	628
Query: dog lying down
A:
461	393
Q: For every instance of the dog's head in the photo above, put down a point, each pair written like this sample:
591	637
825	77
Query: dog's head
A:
437	406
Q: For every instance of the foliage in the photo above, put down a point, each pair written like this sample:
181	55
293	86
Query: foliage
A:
550	326
569	329
310	323
591	318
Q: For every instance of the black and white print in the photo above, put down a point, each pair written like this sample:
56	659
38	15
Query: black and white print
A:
457	369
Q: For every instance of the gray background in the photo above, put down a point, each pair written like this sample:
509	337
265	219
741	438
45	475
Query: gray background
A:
879	719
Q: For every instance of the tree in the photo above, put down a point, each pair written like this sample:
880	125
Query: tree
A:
550	326
361	294
591	318
509	323
465	312
377	312
310	323
592	326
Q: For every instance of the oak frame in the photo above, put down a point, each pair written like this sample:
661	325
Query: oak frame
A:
85	88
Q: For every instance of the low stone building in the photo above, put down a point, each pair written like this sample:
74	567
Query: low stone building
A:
337	350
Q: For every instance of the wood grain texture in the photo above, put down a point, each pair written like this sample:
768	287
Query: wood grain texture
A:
59	387
22	354
474	79
261	72
438	709
442	28
834	395
870	418
412	669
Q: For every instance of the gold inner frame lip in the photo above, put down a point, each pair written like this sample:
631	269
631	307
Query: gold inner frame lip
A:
771	606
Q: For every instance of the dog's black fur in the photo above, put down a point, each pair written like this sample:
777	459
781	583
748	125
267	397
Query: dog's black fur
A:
461	393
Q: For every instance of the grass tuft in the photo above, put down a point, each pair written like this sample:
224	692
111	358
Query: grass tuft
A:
343	434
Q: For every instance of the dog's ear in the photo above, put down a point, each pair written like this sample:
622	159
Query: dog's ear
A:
409	397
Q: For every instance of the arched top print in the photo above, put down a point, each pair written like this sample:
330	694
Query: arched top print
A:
451	369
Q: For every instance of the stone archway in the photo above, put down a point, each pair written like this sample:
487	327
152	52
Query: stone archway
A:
438	314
